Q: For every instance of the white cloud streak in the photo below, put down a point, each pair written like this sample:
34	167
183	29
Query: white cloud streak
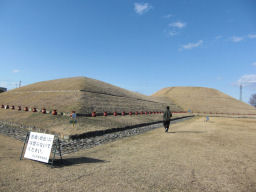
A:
236	39
172	33
8	84
168	16
252	36
192	45
254	64
178	24
141	8
16	71
218	37
247	80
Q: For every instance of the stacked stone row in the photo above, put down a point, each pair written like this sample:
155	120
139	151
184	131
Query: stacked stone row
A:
69	145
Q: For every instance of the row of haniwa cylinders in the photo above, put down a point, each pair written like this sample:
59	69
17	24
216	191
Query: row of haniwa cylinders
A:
54	112
93	114
130	113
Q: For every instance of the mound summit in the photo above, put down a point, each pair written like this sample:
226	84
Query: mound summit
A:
201	99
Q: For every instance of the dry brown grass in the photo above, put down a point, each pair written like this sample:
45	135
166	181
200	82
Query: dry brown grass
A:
200	99
61	124
215	156
83	95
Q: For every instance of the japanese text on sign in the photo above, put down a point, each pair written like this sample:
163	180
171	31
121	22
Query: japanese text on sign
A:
39	146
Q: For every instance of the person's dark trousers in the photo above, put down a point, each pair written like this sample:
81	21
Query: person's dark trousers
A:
166	125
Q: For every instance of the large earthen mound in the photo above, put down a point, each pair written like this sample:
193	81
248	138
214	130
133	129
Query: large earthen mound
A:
201	99
82	95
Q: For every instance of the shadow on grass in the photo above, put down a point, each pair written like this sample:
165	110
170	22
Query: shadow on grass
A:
75	161
186	132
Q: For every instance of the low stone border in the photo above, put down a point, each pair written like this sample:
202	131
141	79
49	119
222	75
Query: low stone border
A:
12	130
92	140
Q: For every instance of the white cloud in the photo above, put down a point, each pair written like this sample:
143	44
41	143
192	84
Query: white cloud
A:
252	36
218	37
254	64
247	80
7	84
236	39
192	45
172	33
178	24
3	84
168	16
141	8
16	71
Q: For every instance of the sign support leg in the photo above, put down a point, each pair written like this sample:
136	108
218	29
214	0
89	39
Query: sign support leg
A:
24	145
53	155
60	150
56	147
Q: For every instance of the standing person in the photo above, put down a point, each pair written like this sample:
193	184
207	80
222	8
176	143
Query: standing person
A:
167	118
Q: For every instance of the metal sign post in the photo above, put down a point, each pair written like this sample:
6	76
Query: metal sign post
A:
26	140
56	148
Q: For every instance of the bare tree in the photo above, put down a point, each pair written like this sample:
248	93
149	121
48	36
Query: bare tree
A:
253	100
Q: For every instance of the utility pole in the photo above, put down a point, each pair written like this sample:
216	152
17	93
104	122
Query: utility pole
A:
19	84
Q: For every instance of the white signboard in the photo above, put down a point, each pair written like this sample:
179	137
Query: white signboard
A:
39	147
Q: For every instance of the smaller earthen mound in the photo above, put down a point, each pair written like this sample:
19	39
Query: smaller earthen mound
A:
201	99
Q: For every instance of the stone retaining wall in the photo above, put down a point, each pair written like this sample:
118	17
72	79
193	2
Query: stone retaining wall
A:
19	132
72	145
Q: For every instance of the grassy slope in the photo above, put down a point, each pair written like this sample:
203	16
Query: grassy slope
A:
200	99
83	95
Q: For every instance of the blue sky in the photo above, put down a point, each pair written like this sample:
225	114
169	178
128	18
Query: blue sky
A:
141	46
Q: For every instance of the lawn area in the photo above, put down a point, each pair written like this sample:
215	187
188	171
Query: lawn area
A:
218	155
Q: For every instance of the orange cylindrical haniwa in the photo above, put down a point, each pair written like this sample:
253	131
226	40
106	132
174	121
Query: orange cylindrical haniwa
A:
93	114
54	112
43	111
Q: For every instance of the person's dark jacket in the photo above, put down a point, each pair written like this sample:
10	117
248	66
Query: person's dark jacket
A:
167	115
